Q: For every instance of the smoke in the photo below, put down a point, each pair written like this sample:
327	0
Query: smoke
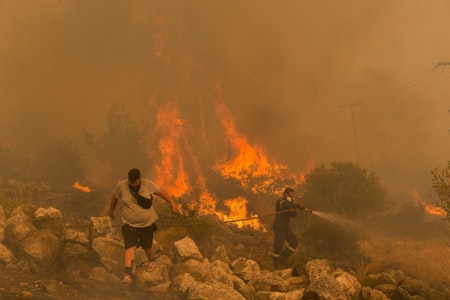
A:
286	70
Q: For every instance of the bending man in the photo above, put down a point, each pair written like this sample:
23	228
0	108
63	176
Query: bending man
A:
138	217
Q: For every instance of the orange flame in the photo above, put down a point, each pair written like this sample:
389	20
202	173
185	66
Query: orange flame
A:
171	172
434	210
429	209
249	161
78	186
238	208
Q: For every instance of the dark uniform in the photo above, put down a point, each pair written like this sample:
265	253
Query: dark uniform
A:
281	228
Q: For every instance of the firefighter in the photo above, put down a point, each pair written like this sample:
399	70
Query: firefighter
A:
286	208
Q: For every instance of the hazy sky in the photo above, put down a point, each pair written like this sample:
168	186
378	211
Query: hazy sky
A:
287	70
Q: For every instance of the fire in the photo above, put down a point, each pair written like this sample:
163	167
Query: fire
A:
78	186
249	161
434	210
248	164
238	209
171	171
429	209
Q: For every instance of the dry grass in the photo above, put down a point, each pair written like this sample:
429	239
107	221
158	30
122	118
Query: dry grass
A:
428	261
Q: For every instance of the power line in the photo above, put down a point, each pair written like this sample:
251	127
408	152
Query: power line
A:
350	106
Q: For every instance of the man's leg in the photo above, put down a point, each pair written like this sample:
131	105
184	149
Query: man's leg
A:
292	240
150	252
130	240
129	257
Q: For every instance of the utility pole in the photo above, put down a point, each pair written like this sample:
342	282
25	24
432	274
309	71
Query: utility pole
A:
350	106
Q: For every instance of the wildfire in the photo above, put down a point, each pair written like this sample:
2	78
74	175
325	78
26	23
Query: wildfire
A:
79	187
238	209
434	210
171	172
248	165
429	209
249	161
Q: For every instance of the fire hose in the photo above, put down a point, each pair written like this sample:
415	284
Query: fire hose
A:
236	220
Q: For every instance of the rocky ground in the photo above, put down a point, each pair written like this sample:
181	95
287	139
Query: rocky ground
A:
19	282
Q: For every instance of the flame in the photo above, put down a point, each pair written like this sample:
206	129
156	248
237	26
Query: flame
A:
250	161
78	186
434	210
170	172
429	209
238	209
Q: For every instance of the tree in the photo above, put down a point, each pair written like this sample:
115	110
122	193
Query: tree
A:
344	188
58	163
122	146
441	185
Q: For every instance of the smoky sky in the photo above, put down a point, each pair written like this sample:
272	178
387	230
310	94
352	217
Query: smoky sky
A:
309	81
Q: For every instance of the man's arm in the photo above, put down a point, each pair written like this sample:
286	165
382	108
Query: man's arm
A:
164	195
112	206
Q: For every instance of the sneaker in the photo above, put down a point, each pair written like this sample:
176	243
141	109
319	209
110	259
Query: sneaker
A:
127	280
151	266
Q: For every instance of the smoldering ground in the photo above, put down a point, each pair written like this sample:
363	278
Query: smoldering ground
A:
287	72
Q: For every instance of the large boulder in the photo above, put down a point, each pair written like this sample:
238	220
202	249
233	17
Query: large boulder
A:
50	218
100	227
42	249
186	249
198	269
17	228
327	283
245	268
110	253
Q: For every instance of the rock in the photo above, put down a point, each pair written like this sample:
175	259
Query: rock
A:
100	227
372	280
245	268
371	294
77	237
215	290
390	290
295	295
186	249
6	256
414	286
17	229
49	218
179	287
197	269
110	252
317	268
157	276
42	248
221	254
73	251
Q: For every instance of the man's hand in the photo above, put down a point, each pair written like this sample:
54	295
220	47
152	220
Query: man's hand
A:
308	210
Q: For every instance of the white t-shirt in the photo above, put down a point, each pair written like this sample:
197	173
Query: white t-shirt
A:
133	214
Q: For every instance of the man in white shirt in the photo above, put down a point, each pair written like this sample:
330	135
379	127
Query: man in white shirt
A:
138	218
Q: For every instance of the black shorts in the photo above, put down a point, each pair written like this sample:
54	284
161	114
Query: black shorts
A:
133	236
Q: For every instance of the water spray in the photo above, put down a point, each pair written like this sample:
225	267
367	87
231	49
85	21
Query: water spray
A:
335	219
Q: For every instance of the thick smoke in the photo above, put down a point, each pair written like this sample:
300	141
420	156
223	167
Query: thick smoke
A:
288	71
